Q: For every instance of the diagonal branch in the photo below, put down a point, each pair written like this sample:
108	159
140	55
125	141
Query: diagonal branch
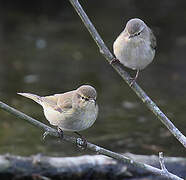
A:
92	147
119	68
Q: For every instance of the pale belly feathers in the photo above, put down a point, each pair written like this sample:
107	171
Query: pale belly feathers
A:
72	120
134	55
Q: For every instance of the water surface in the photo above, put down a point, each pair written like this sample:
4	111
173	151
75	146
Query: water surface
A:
46	54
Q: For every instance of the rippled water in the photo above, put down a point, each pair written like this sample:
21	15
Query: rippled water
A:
46	55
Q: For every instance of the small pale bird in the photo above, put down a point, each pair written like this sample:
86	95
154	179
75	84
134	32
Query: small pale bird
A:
135	46
71	111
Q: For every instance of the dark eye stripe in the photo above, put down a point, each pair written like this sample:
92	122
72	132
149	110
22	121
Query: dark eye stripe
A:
86	99
137	34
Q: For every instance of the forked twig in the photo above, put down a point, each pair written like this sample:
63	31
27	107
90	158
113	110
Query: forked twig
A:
97	149
162	164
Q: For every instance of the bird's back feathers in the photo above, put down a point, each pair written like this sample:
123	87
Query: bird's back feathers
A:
58	102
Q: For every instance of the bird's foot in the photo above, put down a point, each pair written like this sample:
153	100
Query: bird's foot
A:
60	133
114	61
81	142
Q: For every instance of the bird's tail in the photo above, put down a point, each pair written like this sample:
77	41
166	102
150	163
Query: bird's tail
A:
34	97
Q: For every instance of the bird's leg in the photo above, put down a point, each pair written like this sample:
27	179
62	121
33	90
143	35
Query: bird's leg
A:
60	132
81	142
133	80
114	61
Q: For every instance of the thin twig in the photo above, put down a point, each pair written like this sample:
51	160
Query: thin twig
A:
119	68
52	132
162	164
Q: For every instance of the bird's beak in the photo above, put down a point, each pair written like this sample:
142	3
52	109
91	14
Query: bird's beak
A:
93	101
130	36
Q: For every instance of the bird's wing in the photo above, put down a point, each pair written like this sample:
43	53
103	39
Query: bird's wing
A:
152	39
65	100
60	102
49	101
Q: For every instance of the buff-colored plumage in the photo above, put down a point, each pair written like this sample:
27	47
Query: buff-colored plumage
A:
135	46
71	111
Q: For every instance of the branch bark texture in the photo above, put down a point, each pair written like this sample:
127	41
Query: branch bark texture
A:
92	147
92	167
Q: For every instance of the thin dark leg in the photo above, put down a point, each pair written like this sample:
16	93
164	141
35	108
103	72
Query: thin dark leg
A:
60	132
82	144
135	78
114	61
78	134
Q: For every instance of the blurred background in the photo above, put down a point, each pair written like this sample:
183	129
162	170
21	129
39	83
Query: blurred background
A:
45	49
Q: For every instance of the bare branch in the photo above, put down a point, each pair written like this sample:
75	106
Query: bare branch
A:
92	147
119	68
162	164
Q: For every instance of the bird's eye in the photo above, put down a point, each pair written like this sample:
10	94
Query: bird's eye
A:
137	34
84	98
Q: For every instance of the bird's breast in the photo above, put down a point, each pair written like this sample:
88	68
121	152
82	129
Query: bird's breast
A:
133	53
74	119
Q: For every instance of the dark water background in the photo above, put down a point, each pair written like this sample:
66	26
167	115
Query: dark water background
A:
45	49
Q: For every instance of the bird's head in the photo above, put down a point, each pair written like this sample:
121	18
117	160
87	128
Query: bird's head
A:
85	95
135	28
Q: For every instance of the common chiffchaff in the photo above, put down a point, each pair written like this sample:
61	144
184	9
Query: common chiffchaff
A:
135	46
71	111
